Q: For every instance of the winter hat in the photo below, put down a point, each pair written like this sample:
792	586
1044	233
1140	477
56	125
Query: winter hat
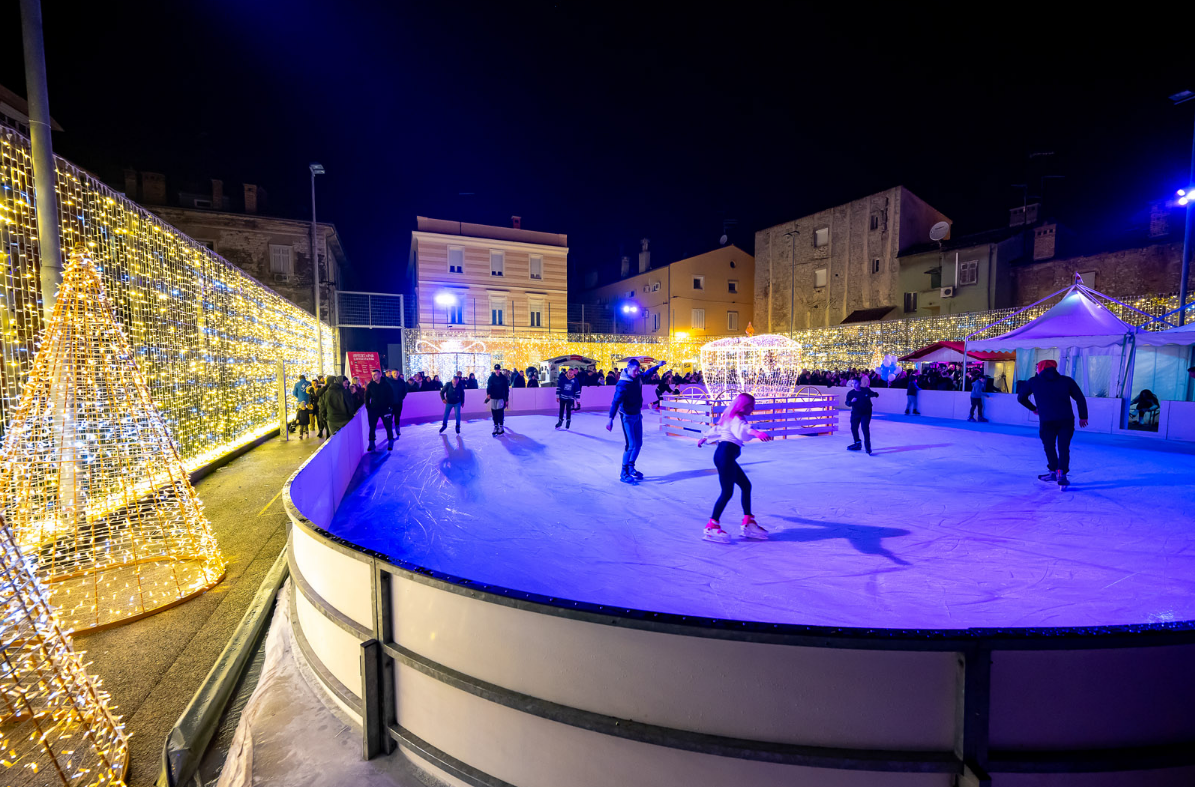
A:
1046	364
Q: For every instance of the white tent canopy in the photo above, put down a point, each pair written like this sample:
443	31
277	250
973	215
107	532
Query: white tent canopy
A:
1182	335
1087	340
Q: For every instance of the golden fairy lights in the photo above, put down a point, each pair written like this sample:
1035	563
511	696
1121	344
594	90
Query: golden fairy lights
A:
766	365
56	727
91	482
205	335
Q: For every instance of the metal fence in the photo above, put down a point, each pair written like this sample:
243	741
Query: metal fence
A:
370	310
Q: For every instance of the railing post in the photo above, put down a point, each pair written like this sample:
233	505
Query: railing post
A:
972	709
373	730
383	631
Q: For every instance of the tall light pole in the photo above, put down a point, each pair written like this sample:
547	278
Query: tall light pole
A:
49	244
792	276
316	169
1182	98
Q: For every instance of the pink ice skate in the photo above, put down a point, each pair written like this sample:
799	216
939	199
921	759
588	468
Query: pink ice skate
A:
715	533
752	530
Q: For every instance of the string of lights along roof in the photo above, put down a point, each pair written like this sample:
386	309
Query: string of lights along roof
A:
92	484
56	724
205	334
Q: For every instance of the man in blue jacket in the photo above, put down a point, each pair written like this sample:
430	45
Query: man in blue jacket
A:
568	394
628	403
1052	394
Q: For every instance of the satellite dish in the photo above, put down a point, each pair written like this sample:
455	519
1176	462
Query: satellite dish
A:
722	241
939	230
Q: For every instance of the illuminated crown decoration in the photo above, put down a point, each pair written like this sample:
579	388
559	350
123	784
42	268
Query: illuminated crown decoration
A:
94	489
766	365
55	724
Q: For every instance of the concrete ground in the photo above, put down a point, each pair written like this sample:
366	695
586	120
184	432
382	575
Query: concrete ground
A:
153	667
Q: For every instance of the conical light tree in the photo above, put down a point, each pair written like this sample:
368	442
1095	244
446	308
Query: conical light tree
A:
92	483
55	724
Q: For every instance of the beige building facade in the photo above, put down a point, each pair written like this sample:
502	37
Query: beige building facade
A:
488	280
840	264
711	294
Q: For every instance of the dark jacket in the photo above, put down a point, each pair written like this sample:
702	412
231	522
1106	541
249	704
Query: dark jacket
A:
568	389
1052	393
628	394
398	389
337	404
518	382
913	388
378	397
428	385
859	400
498	387
471	383
453	394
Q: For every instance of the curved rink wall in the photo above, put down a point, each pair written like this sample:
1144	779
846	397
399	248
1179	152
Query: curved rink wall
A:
481	685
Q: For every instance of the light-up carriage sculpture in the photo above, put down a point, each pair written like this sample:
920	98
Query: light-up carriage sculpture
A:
450	357
764	366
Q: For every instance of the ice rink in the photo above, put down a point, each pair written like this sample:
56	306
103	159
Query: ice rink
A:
946	526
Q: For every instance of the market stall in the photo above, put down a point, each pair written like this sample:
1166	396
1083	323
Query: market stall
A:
997	365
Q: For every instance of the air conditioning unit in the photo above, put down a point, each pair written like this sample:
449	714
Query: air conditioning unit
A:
946	292
281	277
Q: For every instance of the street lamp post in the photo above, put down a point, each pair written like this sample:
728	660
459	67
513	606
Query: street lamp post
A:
316	169
1185	269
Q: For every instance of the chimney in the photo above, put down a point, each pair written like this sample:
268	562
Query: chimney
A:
1025	216
626	267
250	198
217	194
1045	239
517	222
153	188
644	256
130	183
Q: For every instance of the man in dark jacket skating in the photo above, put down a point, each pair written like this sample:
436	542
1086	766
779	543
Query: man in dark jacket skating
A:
497	394
628	403
378	400
398	392
859	400
568	394
1052	393
453	396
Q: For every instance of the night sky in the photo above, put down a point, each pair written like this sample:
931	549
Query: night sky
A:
611	123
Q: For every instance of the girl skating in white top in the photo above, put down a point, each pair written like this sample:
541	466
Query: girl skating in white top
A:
730	432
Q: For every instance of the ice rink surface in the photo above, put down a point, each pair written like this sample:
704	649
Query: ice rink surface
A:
945	526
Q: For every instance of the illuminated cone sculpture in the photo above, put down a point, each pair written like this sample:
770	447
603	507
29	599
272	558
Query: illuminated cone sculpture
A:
55	724
92	483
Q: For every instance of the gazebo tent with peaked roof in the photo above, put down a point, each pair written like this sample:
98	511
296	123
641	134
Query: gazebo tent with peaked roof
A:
1088	341
952	352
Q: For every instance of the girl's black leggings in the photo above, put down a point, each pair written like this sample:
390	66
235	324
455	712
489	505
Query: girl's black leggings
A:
729	473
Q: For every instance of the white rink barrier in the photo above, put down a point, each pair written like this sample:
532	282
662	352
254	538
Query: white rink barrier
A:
426	406
487	686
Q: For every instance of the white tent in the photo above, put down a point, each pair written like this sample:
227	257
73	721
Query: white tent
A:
1088	341
1162	361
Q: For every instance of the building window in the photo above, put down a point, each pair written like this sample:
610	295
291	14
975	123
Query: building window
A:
497	310
282	259
645	289
655	286
698	321
875	221
968	272
699	282
537	267
456	312
1088	278
821	237
910	302
819	277
536	314
497	265
655	321
207	244
456	259
875	266
732	287
732	321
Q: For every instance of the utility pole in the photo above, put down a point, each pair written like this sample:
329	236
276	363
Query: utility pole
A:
792	277
1185	270
316	169
45	175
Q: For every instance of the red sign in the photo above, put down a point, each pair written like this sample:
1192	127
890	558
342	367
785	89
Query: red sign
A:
361	365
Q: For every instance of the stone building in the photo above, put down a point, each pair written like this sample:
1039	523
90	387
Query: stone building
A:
711	294
275	251
972	273
842	264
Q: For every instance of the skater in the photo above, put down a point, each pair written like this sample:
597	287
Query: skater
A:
859	400
730	432
911	401
453	396
977	394
497	392
568	395
628	403
1052	393
378	403
664	387
398	392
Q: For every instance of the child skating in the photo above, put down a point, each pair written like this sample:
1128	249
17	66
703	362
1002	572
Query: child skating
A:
859	400
730	432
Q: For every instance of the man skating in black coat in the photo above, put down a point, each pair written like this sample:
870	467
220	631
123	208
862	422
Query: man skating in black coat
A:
378	399
398	392
1052	393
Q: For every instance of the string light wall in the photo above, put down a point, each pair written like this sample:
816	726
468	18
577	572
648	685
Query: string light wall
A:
205	334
